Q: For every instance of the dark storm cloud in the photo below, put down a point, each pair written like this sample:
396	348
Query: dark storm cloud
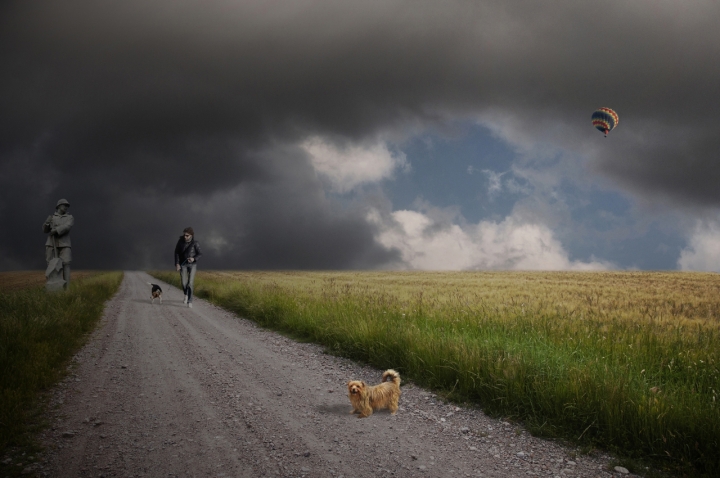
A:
148	115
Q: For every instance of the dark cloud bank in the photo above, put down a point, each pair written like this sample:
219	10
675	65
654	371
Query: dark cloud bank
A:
153	116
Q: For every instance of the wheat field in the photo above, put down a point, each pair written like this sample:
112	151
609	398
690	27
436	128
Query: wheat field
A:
18	280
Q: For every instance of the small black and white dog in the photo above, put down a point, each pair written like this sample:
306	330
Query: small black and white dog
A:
156	292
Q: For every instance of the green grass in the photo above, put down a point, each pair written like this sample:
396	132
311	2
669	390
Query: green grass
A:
621	361
39	333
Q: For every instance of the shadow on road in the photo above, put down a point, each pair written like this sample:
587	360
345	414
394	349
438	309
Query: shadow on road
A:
165	303
334	409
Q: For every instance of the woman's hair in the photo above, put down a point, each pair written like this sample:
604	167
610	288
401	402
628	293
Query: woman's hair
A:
189	230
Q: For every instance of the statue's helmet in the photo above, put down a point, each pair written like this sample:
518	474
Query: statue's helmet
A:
62	201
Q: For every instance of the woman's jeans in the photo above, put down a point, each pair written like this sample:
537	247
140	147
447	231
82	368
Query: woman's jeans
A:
187	278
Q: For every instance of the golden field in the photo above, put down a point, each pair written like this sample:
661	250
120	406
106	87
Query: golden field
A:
626	361
17	280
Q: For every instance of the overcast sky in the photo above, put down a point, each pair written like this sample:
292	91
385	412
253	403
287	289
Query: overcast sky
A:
363	135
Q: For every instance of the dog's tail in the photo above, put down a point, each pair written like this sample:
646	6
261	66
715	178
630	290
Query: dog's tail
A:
392	376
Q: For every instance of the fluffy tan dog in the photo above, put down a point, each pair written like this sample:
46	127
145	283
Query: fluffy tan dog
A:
366	398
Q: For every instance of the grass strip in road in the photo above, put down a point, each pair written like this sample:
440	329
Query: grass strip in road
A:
39	333
622	361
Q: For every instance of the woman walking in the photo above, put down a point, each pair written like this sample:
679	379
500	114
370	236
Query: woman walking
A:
187	252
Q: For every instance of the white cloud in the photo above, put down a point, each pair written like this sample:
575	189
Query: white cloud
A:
514	187
216	242
349	167
428	244
494	182
703	250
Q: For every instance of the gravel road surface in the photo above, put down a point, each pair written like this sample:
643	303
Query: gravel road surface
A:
162	390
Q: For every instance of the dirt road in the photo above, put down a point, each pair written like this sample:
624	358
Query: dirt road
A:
164	390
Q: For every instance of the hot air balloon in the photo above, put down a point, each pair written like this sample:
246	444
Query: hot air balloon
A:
605	120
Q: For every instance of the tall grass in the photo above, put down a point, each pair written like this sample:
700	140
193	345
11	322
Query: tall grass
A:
39	333
623	361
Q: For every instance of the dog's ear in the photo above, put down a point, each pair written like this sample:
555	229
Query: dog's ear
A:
362	383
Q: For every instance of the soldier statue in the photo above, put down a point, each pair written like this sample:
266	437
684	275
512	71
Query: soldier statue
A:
58	225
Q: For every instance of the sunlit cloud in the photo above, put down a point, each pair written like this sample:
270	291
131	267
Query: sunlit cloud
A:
349	167
703	250
428	244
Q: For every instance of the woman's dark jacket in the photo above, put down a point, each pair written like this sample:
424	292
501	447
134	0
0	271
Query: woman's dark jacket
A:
185	250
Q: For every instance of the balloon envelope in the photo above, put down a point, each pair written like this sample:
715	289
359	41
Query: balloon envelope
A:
605	120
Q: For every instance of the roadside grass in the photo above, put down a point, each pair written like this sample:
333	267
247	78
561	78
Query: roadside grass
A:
625	361
39	333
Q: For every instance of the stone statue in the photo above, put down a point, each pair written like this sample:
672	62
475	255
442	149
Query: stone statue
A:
58	225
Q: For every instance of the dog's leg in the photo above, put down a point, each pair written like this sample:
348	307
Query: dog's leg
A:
365	410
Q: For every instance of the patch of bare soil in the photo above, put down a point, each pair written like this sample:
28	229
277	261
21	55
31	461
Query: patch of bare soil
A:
165	390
